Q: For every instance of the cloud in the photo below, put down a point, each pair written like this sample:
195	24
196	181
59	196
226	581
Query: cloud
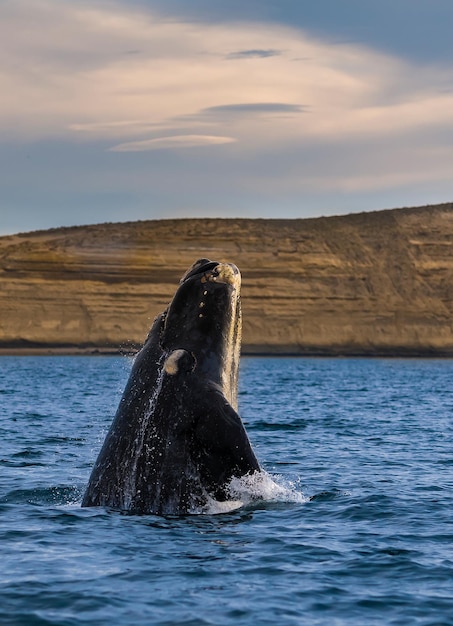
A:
249	54
251	108
175	142
69	73
96	78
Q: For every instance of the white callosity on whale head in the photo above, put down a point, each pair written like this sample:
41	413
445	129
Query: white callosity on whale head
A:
226	273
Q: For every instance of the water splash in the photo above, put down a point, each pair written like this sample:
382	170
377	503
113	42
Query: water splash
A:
253	488
261	486
139	442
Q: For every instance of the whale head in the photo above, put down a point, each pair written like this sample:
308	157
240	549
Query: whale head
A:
204	320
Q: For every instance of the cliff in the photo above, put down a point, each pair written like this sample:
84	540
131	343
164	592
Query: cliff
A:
369	283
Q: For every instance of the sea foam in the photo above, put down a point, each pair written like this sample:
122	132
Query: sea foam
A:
254	488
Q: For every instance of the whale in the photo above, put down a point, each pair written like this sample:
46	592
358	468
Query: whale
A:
177	440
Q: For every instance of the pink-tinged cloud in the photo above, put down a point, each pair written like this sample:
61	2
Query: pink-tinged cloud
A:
172	142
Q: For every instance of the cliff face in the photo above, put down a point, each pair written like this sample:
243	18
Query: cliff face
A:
372	283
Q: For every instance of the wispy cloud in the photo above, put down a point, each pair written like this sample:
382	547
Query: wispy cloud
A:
253	54
112	77
172	141
71	71
252	108
72	66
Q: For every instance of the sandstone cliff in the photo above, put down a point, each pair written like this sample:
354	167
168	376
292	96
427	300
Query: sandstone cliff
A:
370	283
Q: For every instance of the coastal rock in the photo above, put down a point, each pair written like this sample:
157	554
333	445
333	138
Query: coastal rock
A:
377	283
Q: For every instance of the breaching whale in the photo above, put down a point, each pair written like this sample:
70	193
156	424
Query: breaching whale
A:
177	440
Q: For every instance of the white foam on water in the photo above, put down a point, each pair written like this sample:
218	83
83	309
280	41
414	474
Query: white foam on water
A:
253	488
264	487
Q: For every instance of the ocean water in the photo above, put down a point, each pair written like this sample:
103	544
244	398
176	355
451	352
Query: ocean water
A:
354	526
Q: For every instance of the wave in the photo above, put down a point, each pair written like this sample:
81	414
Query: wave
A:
55	496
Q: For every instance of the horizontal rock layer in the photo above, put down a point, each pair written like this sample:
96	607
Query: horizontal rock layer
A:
367	284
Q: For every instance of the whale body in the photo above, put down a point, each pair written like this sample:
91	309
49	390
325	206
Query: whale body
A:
177	440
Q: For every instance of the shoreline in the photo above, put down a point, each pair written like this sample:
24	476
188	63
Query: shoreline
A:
400	352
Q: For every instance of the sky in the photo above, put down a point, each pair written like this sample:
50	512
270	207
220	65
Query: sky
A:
148	109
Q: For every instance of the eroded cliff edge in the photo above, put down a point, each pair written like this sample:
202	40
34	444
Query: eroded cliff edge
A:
367	284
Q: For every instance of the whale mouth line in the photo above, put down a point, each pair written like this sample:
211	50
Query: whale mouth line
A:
199	268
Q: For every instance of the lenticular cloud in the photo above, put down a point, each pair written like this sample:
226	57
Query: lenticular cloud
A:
173	141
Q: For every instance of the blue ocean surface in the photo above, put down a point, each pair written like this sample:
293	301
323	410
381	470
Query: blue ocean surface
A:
359	530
